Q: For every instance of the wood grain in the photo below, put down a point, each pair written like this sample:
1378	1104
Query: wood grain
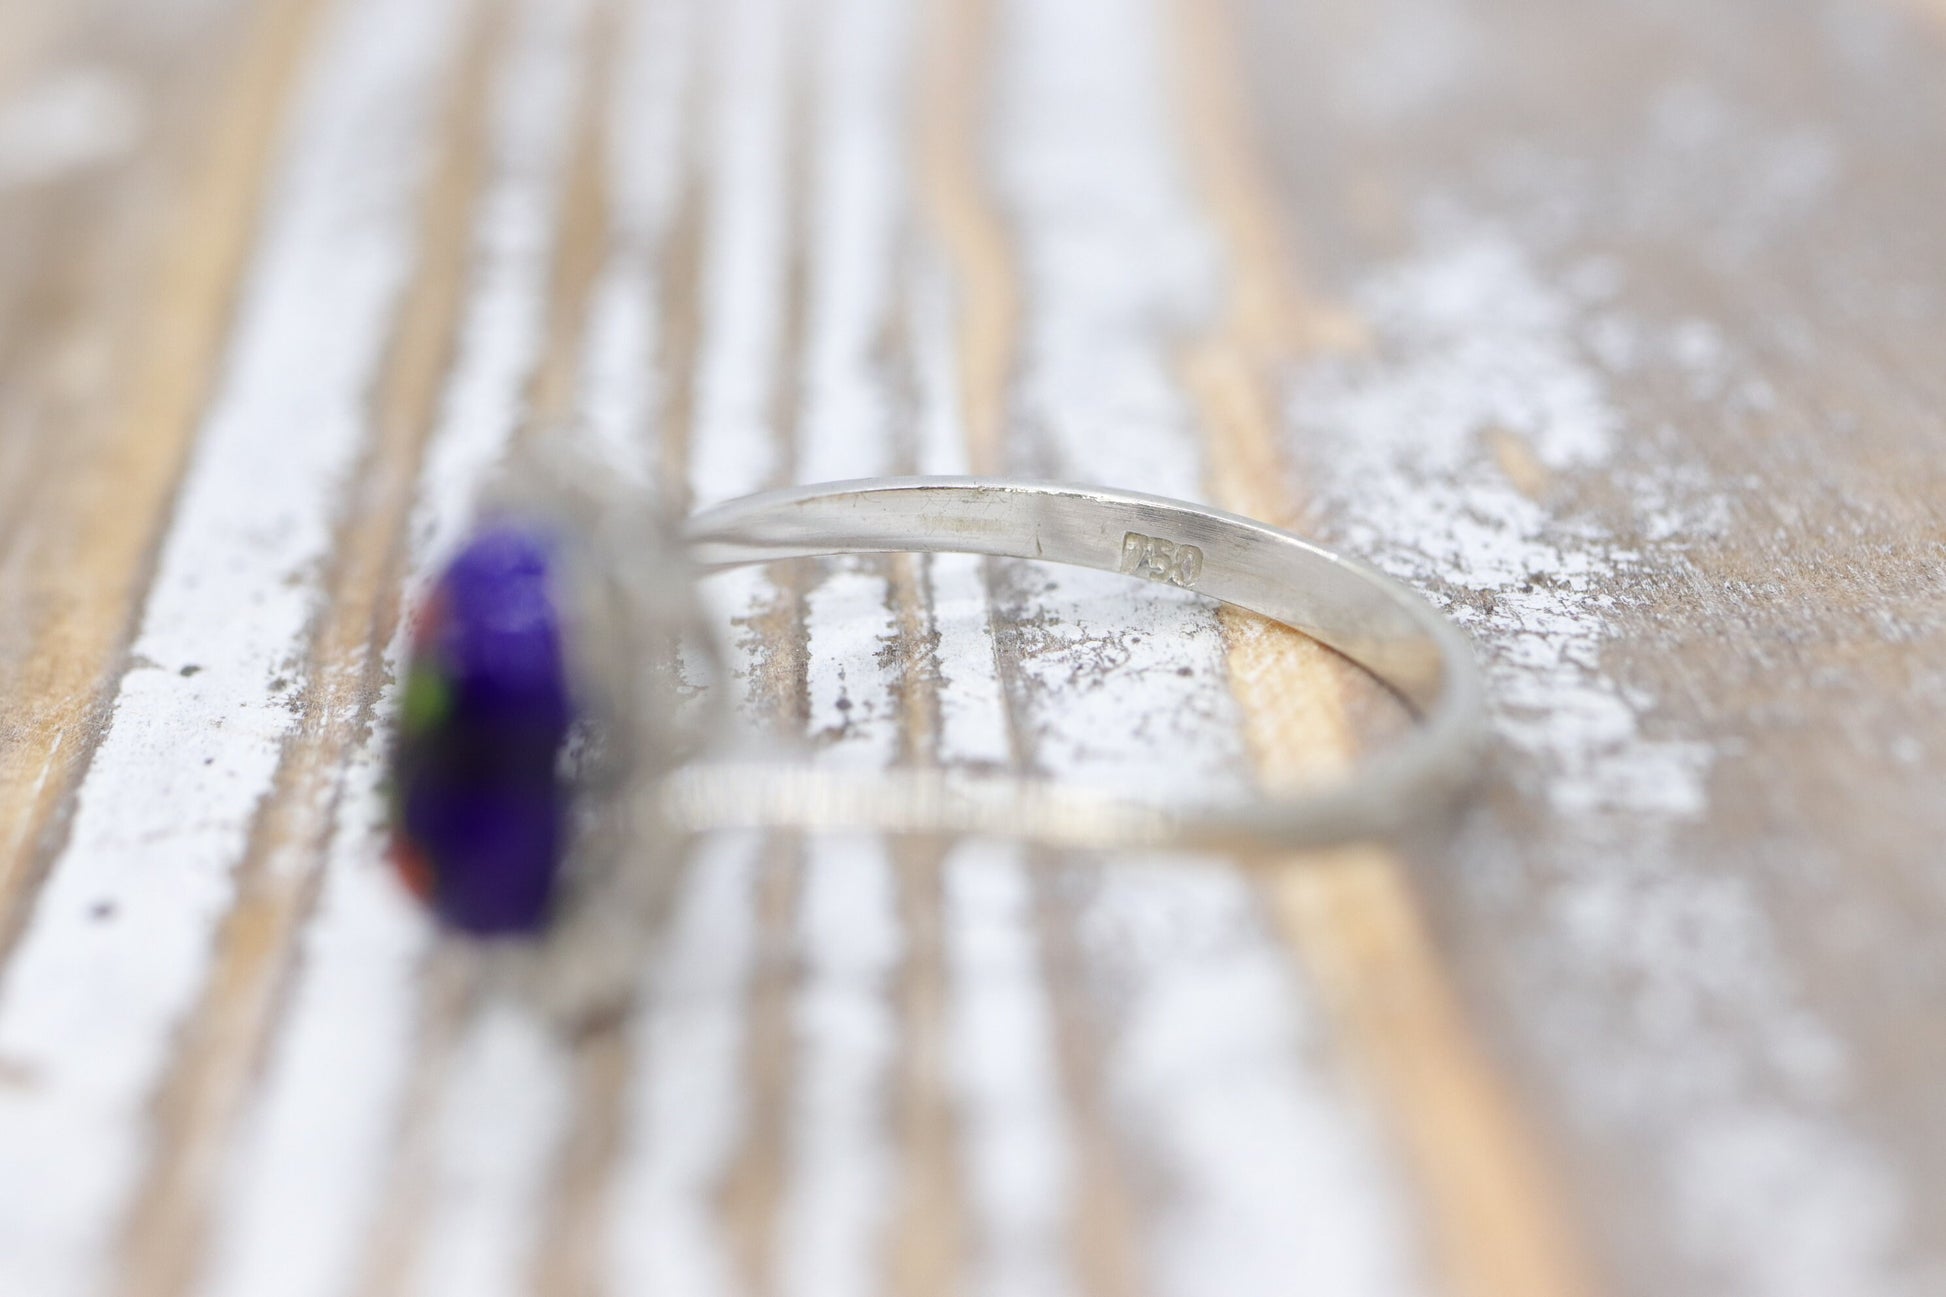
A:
223	1039
1353	915
1615	331
113	510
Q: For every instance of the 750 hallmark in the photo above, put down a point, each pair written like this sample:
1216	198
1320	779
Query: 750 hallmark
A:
1168	561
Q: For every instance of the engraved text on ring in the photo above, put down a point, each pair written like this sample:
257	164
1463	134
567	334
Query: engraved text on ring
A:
1161	560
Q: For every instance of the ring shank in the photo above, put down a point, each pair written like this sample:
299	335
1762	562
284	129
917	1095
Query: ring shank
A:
1382	625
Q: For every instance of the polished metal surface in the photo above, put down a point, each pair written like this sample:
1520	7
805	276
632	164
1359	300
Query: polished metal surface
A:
1382	625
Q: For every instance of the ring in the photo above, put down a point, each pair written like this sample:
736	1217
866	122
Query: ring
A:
551	613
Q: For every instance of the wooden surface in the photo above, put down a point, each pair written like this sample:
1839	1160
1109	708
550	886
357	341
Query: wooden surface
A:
1617	328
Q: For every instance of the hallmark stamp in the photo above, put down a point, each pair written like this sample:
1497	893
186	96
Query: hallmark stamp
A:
1156	559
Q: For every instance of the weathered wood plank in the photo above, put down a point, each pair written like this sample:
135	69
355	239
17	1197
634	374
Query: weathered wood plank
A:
100	512
221	1045
507	240
1613	330
93	998
484	1205
1094	189
1581	247
1352	918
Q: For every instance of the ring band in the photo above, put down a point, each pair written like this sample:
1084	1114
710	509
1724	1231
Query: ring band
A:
1367	616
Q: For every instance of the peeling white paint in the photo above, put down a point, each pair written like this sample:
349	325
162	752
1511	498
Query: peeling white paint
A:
1785	1205
842	1164
1013	1138
91	1004
495	1139
310	1169
498	1125
972	706
1265	1173
842	1170
647	153
1014	1133
854	708
684	1117
684	1107
746	252
1111	250
1275	1175
1471	342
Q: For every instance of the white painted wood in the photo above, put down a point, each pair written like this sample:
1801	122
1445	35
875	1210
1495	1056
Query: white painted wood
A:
1013	1130
622	385
312	1167
91	1001
841	1179
1676	1019
498	1124
973	723
841	1152
1750	1134
1014	1140
1271	1169
496	1132
859	210
746	253
684	1116
306	1183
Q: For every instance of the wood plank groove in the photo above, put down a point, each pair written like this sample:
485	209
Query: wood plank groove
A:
1613	331
570	1259
569	1251
79	225
382	1222
926	1244
225	1035
683	256
485	1226
648	208
580	237
1102	1222
959	35
55	706
1156	448
1351	917
752	1190
385	1258
732	214
66	204
172	876
1099	1228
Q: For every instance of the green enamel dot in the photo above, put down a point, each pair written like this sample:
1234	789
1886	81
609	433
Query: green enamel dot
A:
428	699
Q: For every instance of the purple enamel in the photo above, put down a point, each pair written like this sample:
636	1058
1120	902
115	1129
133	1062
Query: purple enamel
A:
481	807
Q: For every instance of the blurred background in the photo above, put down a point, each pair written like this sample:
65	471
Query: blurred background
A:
1613	327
